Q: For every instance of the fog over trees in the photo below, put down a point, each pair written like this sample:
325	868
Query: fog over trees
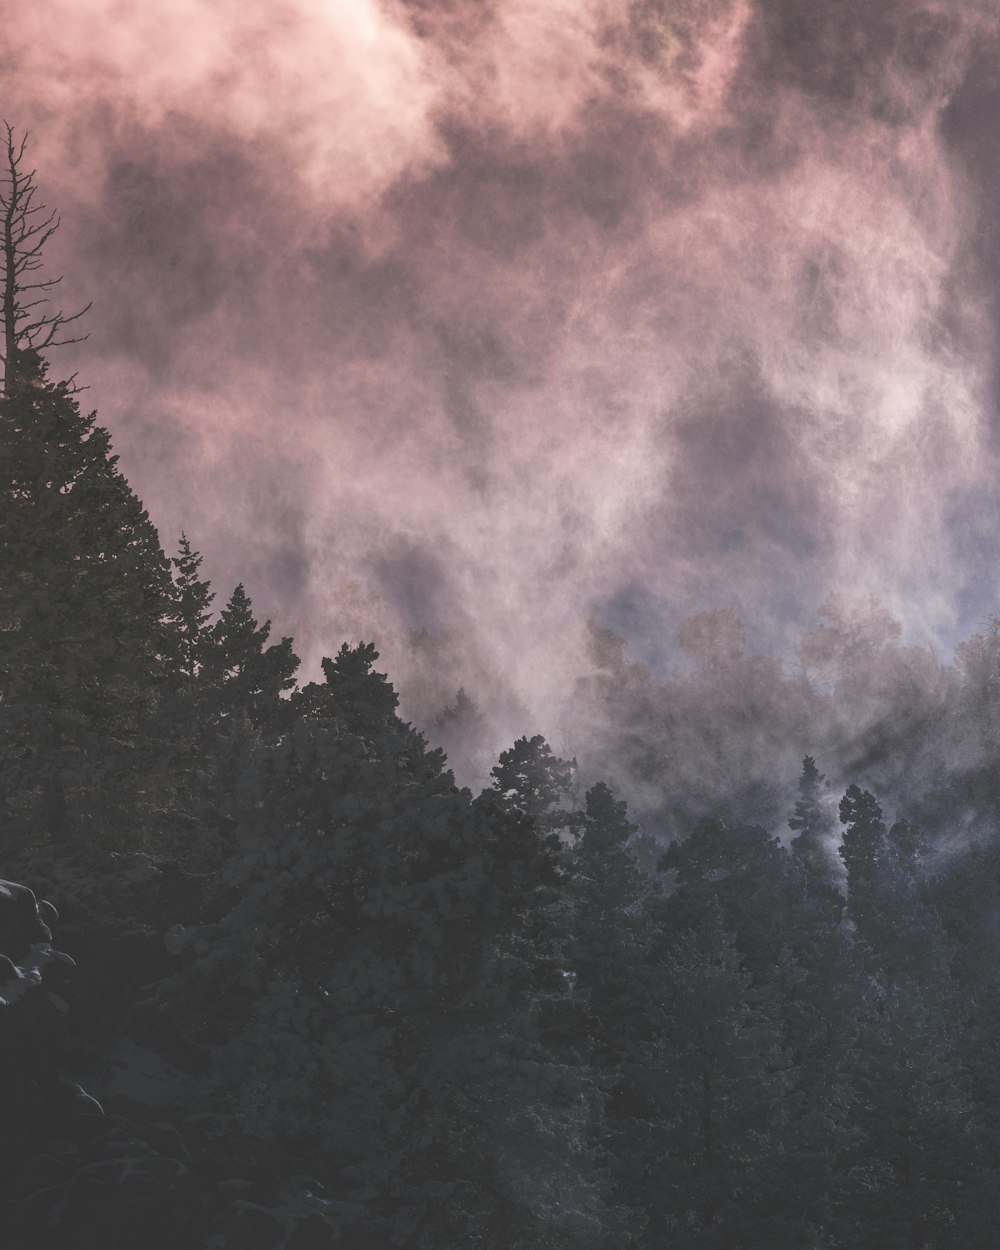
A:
721	974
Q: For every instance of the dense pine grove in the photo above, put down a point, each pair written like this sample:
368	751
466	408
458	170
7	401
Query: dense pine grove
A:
293	987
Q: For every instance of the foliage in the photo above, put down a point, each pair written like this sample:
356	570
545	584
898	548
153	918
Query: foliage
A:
376	1009
84	592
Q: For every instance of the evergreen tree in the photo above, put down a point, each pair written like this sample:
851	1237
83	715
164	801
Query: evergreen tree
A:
864	843
607	882
192	603
609	944
607	890
352	692
916	1147
387	989
717	1132
84	597
462	731
206	754
531	779
83	582
247	676
902	933
813	825
804	979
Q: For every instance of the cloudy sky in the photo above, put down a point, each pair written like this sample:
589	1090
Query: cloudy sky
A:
488	317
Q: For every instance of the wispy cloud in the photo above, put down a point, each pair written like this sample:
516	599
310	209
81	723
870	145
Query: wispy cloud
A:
504	309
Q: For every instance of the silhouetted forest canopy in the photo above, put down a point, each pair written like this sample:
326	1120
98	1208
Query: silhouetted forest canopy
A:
727	979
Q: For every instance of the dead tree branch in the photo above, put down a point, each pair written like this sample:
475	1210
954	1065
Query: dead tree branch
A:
28	324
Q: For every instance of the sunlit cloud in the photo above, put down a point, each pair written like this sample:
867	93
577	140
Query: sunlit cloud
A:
498	310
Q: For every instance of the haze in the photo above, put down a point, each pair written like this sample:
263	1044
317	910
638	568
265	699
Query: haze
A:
490	318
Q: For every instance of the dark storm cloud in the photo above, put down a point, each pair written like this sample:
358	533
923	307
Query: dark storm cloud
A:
506	314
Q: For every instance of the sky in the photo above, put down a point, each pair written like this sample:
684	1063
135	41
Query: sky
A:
491	317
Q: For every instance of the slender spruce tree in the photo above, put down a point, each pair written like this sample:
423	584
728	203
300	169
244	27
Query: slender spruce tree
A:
813	825
84	599
84	584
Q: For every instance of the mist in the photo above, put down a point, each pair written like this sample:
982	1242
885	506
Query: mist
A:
481	322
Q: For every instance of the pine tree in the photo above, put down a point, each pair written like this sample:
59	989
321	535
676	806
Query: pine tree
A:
248	677
387	986
804	978
813	825
84	584
716	1069
532	779
192	602
352	692
205	753
886	900
864	842
462	731
916	1146
607	890
84	597
610	938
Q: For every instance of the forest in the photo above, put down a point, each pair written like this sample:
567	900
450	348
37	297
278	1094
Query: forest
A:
271	979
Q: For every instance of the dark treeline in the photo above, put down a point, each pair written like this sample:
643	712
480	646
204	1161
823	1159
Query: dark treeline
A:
326	997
